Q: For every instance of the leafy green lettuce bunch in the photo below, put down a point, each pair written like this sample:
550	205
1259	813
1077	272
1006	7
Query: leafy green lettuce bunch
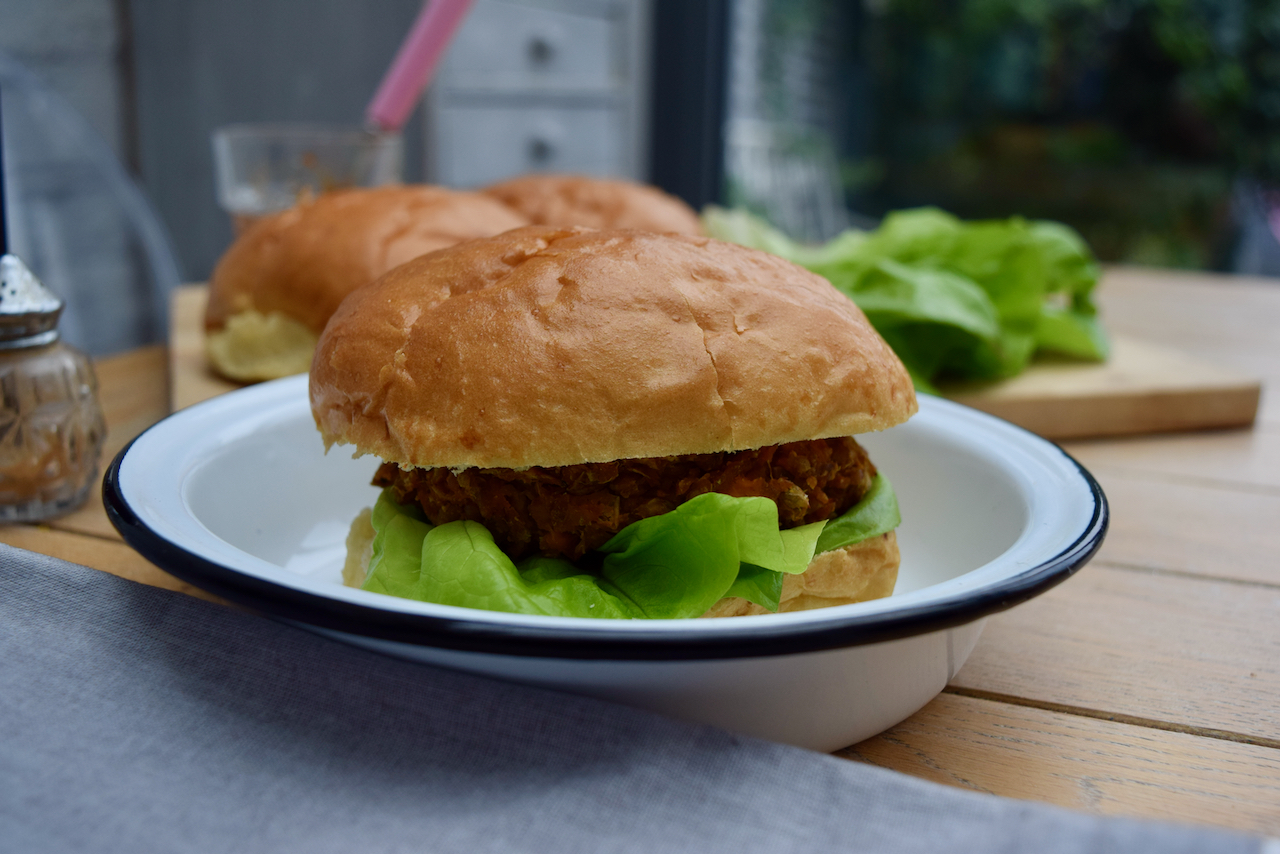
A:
954	299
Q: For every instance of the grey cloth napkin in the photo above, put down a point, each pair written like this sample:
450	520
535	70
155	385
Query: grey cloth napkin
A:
133	719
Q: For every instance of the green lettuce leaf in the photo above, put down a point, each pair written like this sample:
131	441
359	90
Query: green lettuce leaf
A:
1071	333
738	226
459	564
681	563
877	513
955	299
759	585
397	547
671	566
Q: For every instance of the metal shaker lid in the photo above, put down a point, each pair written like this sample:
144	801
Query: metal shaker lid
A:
28	310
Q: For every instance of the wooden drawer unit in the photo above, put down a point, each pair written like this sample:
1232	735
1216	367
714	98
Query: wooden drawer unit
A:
514	46
541	85
478	144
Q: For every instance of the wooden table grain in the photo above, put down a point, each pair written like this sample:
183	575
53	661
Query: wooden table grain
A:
1148	685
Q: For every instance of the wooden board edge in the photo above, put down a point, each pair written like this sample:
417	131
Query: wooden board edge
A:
1106	415
190	379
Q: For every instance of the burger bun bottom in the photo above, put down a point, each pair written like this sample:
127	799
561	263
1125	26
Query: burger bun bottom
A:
255	346
857	573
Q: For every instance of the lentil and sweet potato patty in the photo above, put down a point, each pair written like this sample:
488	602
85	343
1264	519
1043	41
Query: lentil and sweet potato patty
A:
567	511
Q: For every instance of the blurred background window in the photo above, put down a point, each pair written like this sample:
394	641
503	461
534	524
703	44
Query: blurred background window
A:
76	219
1151	126
782	124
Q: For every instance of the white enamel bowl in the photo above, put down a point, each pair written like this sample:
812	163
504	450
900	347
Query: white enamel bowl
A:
236	496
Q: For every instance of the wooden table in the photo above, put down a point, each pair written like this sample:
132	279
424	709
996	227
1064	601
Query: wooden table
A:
1148	685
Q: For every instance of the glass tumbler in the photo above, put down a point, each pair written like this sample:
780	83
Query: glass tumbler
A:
263	168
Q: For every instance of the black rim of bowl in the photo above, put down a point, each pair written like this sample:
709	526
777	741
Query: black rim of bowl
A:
531	640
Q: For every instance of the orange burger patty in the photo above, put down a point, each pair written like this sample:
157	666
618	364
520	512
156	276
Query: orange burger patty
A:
567	511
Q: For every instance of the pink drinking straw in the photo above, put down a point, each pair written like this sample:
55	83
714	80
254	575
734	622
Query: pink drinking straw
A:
414	63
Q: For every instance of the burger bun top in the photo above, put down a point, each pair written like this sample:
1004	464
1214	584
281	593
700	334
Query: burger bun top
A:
303	261
569	200
549	347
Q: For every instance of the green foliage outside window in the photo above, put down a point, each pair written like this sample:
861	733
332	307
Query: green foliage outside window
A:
1132	120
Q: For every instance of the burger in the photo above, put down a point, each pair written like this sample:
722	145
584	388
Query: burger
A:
568	200
613	424
275	287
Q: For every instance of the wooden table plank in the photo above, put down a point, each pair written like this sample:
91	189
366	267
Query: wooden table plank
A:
1245	459
1177	652
1098	766
1207	529
108	555
134	390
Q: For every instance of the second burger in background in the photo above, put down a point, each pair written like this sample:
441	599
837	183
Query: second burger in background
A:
569	200
614	424
276	286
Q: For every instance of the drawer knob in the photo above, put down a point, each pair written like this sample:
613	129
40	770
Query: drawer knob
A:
541	50
541	150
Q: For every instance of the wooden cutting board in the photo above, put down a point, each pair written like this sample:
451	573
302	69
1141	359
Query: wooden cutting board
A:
190	380
1142	388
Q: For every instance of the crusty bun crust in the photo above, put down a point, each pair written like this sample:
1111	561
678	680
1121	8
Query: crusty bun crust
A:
303	261
552	347
858	573
568	200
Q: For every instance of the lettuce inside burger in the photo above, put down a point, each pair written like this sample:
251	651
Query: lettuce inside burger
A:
613	424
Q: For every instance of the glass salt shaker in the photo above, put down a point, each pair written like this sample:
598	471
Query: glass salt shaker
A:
51	426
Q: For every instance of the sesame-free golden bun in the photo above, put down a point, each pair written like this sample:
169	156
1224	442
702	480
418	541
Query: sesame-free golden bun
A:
276	286
550	347
569	200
